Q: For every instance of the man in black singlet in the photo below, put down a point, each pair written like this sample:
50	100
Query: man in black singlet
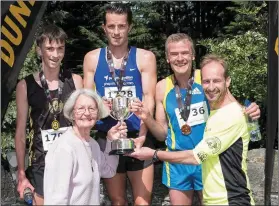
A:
41	96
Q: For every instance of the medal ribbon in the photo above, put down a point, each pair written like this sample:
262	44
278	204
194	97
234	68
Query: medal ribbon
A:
47	92
184	109
119	81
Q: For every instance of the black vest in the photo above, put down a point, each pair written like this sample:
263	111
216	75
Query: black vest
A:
42	114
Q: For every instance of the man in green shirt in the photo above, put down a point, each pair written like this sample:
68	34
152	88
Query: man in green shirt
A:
223	149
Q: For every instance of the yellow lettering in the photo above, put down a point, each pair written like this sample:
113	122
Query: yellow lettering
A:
15	40
18	11
8	59
32	2
276	46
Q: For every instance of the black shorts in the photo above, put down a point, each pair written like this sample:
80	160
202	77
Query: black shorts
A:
127	163
35	175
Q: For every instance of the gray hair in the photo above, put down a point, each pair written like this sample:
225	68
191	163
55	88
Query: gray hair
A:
70	104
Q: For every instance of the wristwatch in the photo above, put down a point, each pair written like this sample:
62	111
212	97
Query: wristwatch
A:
155	157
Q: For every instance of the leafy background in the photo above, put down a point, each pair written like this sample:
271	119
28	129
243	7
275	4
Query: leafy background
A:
235	30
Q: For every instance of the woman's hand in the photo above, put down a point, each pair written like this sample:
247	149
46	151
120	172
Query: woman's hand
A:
118	131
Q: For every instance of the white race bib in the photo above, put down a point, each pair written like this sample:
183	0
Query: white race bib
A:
198	114
50	135
127	91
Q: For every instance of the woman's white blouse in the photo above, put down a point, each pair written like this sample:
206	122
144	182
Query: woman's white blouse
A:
68	177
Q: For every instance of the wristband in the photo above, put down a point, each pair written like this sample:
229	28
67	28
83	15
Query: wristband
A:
155	156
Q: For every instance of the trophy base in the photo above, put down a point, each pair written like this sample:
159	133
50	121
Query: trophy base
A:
121	151
122	146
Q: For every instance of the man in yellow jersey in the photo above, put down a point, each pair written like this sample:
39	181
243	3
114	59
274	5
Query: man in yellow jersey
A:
223	149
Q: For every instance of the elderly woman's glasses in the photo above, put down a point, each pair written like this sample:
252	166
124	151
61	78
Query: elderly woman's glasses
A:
82	110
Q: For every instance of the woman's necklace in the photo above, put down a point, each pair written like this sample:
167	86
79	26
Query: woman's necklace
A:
87	153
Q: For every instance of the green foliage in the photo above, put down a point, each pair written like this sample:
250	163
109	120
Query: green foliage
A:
241	28
31	63
148	32
249	15
82	21
9	124
246	56
247	60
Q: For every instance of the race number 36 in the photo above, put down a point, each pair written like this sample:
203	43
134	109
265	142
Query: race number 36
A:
198	114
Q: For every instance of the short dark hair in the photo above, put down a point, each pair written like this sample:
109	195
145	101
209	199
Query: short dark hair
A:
207	59
51	32
118	8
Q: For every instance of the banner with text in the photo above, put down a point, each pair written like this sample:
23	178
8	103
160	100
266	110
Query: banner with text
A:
18	26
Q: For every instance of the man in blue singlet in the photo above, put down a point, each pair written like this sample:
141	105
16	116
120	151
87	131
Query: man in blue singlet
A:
181	114
139	80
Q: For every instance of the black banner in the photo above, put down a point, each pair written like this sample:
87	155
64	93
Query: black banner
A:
19	22
272	99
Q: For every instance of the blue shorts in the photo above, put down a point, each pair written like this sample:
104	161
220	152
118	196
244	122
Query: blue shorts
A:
182	177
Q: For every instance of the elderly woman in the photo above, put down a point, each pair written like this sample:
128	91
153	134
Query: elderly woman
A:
74	163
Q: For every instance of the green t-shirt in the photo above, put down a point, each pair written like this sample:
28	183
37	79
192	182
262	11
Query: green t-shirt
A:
223	154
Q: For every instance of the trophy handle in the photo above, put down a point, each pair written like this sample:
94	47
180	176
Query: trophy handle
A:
130	101
113	117
131	113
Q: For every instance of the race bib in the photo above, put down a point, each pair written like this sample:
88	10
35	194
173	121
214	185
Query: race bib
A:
198	114
50	135
127	91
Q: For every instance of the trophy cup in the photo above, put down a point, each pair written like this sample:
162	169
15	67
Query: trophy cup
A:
120	112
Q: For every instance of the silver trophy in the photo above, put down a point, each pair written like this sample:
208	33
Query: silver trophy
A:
120	112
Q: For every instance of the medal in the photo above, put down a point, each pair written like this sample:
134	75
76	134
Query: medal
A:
55	125
184	108
119	81
55	105
186	129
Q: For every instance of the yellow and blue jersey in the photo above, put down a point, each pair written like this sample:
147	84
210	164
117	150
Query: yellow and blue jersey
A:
180	176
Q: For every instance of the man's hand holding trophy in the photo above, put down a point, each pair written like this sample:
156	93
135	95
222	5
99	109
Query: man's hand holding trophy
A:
120	111
119	106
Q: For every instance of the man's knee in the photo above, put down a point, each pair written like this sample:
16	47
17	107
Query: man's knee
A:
143	200
118	200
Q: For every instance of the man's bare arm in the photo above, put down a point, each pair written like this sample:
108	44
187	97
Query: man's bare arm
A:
159	127
22	112
182	157
89	67
147	65
20	135
78	81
